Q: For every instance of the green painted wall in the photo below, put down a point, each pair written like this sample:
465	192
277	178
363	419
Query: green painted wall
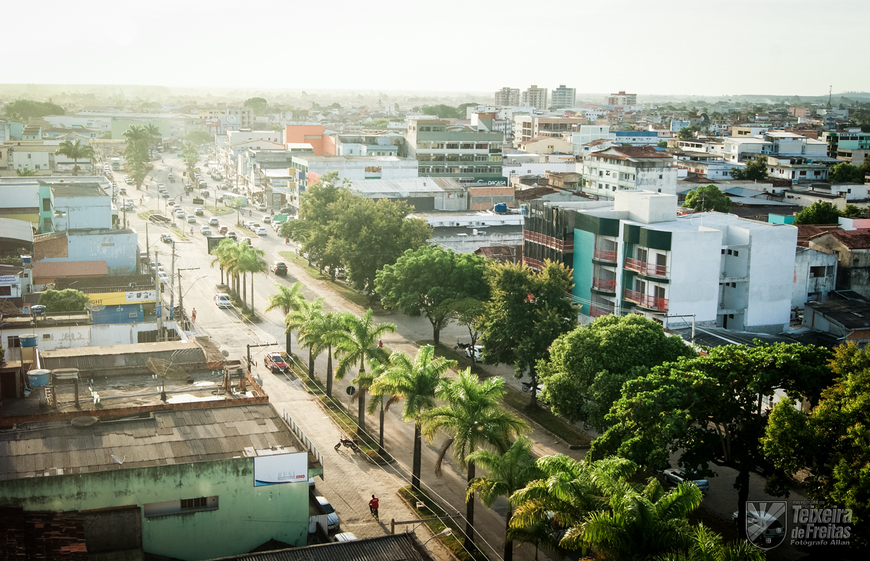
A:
584	249
246	516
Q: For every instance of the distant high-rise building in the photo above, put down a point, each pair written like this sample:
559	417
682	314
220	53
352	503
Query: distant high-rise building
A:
508	96
563	97
535	97
622	99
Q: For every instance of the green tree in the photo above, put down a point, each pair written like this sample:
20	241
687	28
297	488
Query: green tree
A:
66	300
820	212
443	111
662	144
687	133
76	151
846	173
191	157
711	408
422	281
526	312
303	319
852	211
136	152
471	418
26	172
259	105
755	170
26	109
506	474
831	439
357	344
589	365
707	545
315	228
155	137
415	381
468	312
287	299
708	197
221	255
198	138
324	330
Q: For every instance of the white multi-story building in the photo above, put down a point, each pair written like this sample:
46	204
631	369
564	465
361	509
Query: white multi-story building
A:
638	256
507	96
563	97
536	97
745	148
589	133
625	168
527	127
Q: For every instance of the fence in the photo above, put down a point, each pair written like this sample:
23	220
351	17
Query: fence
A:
301	436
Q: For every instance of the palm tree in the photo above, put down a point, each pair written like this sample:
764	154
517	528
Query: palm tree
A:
136	152
287	299
415	381
26	172
77	151
302	319
707	545
221	253
507	473
153	133
471	418
322	330
357	343
252	262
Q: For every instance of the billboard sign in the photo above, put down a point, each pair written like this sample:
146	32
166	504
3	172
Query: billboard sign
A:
282	468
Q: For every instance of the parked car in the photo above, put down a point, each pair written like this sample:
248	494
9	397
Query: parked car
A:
261	231
205	231
325	507
275	363
213	221
222	300
163	276
165	238
675	476
198	211
279	268
344	537
474	354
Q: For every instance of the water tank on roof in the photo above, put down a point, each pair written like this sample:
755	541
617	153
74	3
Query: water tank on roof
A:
37	378
500	208
27	340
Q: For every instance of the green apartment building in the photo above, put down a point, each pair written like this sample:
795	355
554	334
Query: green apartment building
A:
471	155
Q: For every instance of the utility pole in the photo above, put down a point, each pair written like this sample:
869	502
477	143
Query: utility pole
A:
171	291
147	245
181	294
260	345
159	299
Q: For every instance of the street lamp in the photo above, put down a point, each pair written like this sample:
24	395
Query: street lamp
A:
445	532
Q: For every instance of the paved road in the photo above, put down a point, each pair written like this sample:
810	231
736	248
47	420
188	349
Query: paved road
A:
348	480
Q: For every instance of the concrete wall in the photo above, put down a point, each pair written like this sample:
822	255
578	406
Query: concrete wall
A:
471	243
82	212
246	516
59	337
771	278
118	248
694	276
806	279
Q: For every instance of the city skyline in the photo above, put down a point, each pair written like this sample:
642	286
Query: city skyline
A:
770	47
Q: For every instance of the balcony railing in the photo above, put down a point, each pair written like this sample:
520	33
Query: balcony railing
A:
645	268
646	301
604	255
597	312
604	284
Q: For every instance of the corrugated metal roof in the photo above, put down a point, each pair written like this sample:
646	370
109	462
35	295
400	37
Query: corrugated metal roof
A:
124	358
164	437
399	547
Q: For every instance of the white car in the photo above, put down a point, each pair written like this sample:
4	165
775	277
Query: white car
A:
161	186
163	276
222	300
675	476
191	219
345	537
474	354
261	231
205	231
179	213
213	221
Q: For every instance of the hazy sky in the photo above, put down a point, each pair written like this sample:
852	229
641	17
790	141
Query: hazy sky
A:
663	47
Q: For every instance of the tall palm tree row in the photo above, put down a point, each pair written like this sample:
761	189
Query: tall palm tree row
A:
76	151
323	331
251	261
302	319
287	299
472	418
357	343
414	381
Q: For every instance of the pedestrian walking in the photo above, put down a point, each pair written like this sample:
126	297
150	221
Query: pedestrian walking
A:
373	507
193	315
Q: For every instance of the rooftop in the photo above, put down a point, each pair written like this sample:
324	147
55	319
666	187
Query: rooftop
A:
852	313
398	547
404	187
47	448
852	239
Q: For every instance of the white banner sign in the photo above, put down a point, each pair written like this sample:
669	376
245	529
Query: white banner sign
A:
283	468
142	296
8	279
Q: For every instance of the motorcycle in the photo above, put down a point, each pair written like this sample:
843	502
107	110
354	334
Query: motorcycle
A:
462	346
347	443
527	386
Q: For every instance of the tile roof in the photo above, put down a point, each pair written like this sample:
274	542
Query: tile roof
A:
163	437
852	239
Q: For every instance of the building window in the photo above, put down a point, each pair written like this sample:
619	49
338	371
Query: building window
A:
736	253
5	291
46	204
12	342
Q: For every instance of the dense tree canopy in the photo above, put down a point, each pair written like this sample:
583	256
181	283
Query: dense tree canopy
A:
708	197
257	104
526	312
25	109
831	439
66	300
847	173
756	170
820	212
422	280
711	408
589	365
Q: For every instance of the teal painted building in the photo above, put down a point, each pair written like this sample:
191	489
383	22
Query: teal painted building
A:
179	482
